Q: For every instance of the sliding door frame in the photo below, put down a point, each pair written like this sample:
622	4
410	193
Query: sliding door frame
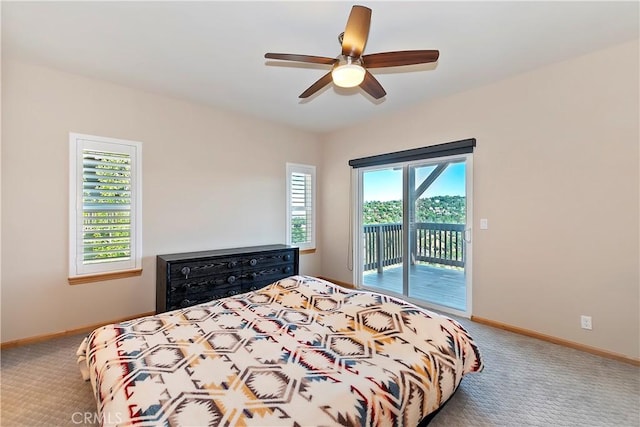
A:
357	236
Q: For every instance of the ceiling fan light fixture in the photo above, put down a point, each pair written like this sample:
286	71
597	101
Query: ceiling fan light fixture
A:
347	72
349	66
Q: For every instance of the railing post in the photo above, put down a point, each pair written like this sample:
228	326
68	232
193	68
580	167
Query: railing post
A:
379	249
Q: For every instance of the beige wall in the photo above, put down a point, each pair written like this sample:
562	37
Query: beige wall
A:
211	179
555	173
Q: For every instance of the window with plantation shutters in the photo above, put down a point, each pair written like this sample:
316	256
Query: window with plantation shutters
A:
105	206
301	206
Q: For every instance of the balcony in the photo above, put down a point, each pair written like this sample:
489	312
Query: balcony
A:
436	272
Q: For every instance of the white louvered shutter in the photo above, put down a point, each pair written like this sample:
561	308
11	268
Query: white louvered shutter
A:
106	206
105	213
301	206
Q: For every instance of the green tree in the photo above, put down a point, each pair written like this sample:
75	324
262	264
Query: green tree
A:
442	209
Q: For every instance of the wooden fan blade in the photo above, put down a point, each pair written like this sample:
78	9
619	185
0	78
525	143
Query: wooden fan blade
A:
405	57
301	58
356	31
324	80
372	86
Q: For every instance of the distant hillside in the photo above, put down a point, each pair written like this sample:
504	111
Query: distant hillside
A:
447	209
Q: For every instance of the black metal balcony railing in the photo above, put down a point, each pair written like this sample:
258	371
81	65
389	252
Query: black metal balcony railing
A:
432	242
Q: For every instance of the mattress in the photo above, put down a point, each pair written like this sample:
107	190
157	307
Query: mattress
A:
299	352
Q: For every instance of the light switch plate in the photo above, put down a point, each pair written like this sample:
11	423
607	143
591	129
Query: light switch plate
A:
484	224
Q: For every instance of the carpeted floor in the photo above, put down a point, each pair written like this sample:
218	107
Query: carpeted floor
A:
526	382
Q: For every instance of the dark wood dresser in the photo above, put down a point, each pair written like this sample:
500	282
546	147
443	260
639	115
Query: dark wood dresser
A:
190	278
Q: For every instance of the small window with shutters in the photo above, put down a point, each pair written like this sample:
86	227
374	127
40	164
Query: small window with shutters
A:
105	208
301	217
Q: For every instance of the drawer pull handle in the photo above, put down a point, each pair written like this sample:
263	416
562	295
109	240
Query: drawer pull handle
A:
253	262
286	257
185	303
232	264
185	271
231	279
287	269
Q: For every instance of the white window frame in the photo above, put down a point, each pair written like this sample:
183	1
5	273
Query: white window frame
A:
308	170
78	269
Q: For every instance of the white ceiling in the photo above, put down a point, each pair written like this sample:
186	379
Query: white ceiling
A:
213	52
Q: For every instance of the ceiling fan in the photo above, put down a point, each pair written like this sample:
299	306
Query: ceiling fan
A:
350	68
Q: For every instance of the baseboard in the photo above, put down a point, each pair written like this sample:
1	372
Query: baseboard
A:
559	341
46	337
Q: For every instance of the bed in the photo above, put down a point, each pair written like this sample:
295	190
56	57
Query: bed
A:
299	352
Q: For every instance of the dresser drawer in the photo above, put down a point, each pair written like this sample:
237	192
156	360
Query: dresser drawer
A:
186	296
203	268
205	283
220	279
272	273
262	260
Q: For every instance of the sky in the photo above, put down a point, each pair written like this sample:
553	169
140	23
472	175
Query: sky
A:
386	184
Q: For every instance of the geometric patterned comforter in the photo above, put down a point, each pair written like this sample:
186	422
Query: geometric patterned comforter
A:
299	352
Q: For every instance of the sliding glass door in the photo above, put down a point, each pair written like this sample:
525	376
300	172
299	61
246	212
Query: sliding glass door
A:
412	232
382	234
437	223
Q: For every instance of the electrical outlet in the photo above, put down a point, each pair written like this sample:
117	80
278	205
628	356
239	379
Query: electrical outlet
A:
585	322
